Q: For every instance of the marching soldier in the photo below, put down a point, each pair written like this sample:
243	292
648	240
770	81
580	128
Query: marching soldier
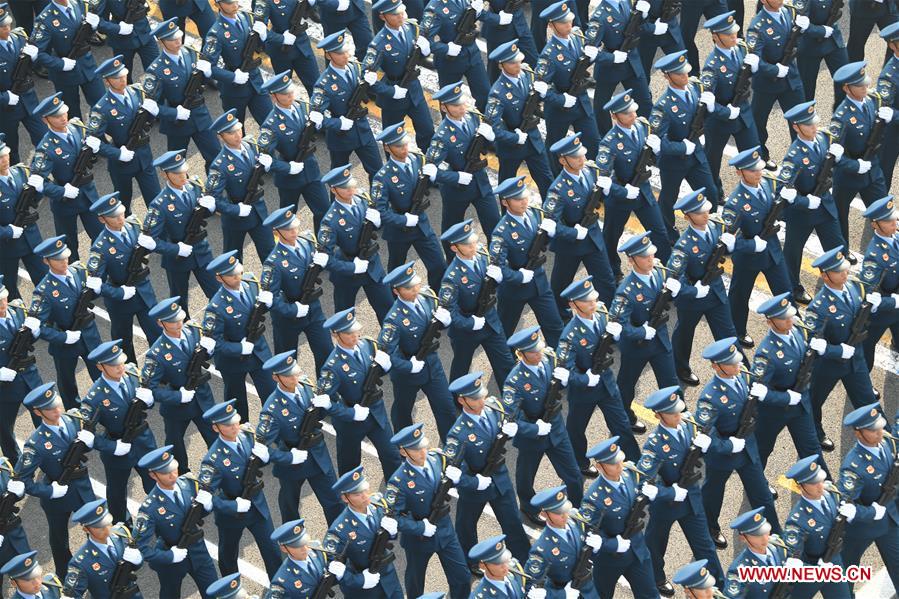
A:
410	494
227	321
460	292
332	94
351	265
762	549
818	42
697	580
284	126
459	187
471	440
690	15
124	297
45	450
15	542
587	389
112	119
402	336
18	106
510	249
505	112
166	375
286	269
229	177
281	422
502	26
341	379
662	462
352	535
165	81
347	16
392	191
25	575
198	11
302	568
501	572
888	90
228	587
126	33
863	16
880	270
665	34
227	39
160	520
290	51
52	171
525	393
222	474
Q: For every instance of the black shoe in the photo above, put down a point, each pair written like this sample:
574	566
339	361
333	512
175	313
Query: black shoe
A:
746	342
638	428
770	165
590	472
475	571
618	278
850	257
687	377
774	493
719	541
876	394
801	296
665	589
827	445
533	519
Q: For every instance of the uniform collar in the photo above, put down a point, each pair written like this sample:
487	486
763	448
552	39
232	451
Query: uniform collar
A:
112	383
176	341
589	323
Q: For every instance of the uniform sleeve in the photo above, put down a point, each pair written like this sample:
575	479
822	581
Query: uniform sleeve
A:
145	534
96	267
449	300
499	255
327	241
154	225
430	27
40	308
212	50
329	384
211	479
388	341
456	445
42	166
27	467
544	72
437	155
763	371
42	38
215	328
152	378
707	416
381	199
658	121
850	486
152	88
372	62
269	430
511	401
554	206
605	160
75	583
320	101
494	116
757	43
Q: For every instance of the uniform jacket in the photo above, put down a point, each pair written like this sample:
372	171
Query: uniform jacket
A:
606	32
109	261
631	307
54	31
661	462
411	497
338	236
449	144
524	393
459	292
222	474
15	537
487	590
719	76
887	83
226	321
9	198
812	39
553	556
164	81
615	506
880	269
504	106
8	59
555	66
688	262
617	158
575	354
331	95
391	192
565	203
438	24
159	521
166	222
851	126
278	14
53	303
671	119
292	581
54	160
109	121
813	526
226	40
775	365
862	475
509	246
227	183
401	337
748	211
469	439
341	378
112	12
734	587
767	37
389	54
800	170
284	270
26	379
165	372
720	407
283	131
91	569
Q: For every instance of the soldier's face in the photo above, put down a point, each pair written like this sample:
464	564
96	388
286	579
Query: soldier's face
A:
813	490
670	419
727	370
573	163
781	325
562	28
758	543
287	381
517	206
773	5
52	414
870	437
512	68
58	121
885	227
894	47
233	137
466	250
231	281
417	455
750	176
408	294
679	80
858	92
358	501
228	430
556	519
166	480
118	83
172	329
298	553
473	405
285	98
807	131
114	222
99	533
698	219
611	471
699	593
456	111
625	119
726	40
229	9
496	571
399	151
113	371
57	265
344	194
32	586
532	357
289	236
836	278
4	31
395	20
339	58
643	264
173	44
585	307
177	180
4	163
349	338
4	305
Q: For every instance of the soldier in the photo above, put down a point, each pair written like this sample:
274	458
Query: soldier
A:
820	41
697	580
473	324
25	575
228	587
227	320
228	180
772	79
332	94
608	505
45	449
341	380
665	34
505	111
555	553
15	542
680	148
286	269
18	105
831	320
165	81
690	14
851	127
284	126
642	342
281	422
756	250
69	67
762	549
719	77
222	474
887	84
587	389
166	373
510	249
552	80
160	521
112	119
863	473
863	16
124	297
93	565
879	271
392	191
302	567
410	494
198	11
663	458
497	33
566	207
471	440
52	171
227	39
126	33
689	263
619	153
390	52
813	515
525	393
782	403
290	51
353	534
402	338
54	303
720	410
501	572
349	16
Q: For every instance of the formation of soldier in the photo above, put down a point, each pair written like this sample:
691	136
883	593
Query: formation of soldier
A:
583	125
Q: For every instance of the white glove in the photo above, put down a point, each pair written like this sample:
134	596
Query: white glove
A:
382	360
738	444
399	92
795	397
36	182
31	322
614	329
320	258
184	250
359	265
562	374
244	209
321	401
760	244
836	150
453	49
486	131
453	473
569	100
874	298
828	31
702	140
207	202
443	316
543	428
689	147
146	242
863	166
342	5
205	67
707	98
302	310
132	556
260	28
522	137
86	437
246	347
885	113
298	456
316	118
30	51
411	219
673	285
541	87
464	178
581	231
759	390
483	481
92	19
370	579
753	61
648	332
549	226
679	492
642	6
789	194
618	56
527	275
802	22
67	64
848	510
879	511
289	38
265	160
623	544
128	292
346	124
593	541
337	569
734	112
430	530
793	562
145	395
505	17
782	71
605	183
430	170
360	413
592	379
650	491
813	201
13	99
121	448
265	297
702	441
425	45
819	345
478	6
181	113
207	343
94	284
389	524
150	106
633	192
240	77
243	505
591	52
93	143
58	490
187	395
654	142
701	290
848	351
373	216
510	429
417	364
125	28
478	323
495	273
179	554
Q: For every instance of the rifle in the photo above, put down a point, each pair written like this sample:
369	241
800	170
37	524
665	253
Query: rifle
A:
135	10
645	162
791	47
582	571
440	503
310	288
26	207
804	372
531	112
371	385
473	160
305	145
467	27
195	229
670	9
783	589
419	201
368	236
21	350
81	41
325	588
487	293
769	225
697	125
381	554
693	468
138	267
302	12
83	314
858	330
411	71
602	354
196	372
552	403
22	81
887	489
139	131
250	56
658	314
356	105
742	85
430	339
192	525
638	517
123	583
311	430
875	139
581	80
255	182
591	208
74	461
631	34
537	252
9	511
83	169
135	421
256	322
252	482
194	88
834	543
496	455
749	416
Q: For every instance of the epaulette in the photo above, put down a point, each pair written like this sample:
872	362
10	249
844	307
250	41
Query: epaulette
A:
134	220
428	292
77	122
249	277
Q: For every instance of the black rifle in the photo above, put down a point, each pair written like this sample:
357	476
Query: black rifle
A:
487	293
138	267
135	10
123	583
195	229
582	571
310	288
834	542
670	9
742	86
368	238
591	208
638	517
713	269
306	145
824	180
875	139
791	47
890	485
419	201
411	70
26	207
83	315
581	80
197	373
135	420
467	28
770	225
194	88
74	462
250	56
192	525
21	350
537	252
697	125
804	373
302	12
858	330
552	403
381	553
631	34
658	314
784	589
252	482
356	105
326	586
311	430
440	503
693	468
9	511
496	455
83	169
255	183
748	417
531	112
836	11
642	170
430	339
256	322
139	131
371	385
473	160
81	42
22	81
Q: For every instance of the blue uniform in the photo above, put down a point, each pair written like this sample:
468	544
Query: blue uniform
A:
108	261
887	87
157	529
670	42
509	247
815	47
496	35
354	19
400	337
341	378
164	81
14	391
279	425
552	560
495	589
689	20
776	554
21	110
198	11
863	16
298	57
221	473
15	542
12	251
814	526
410	492
91	568
226	319
338	236
140	41
881	269
295	581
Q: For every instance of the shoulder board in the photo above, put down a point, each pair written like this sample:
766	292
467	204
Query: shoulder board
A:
77	265
495	404
77	122
23	167
427	292
304	380
134	220
131	369
17	303
194	325
308	236
249	277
